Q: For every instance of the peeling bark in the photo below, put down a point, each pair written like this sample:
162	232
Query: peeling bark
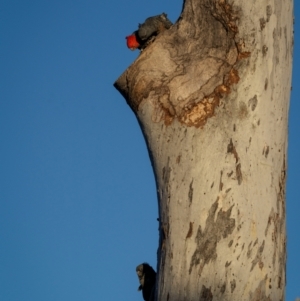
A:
211	95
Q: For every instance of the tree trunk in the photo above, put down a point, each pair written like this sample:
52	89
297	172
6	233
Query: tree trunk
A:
211	95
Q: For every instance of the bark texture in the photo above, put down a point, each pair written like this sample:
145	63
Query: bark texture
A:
211	95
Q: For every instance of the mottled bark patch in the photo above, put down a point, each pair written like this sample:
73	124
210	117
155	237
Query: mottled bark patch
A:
252	102
262	23
243	110
166	173
231	149
191	191
265	50
190	232
239	175
259	293
227	264
238	167
269	12
223	288
276	45
207	239
205	294
221	183
266	150
277	220
164	219
232	285
249	252
266	83
258	257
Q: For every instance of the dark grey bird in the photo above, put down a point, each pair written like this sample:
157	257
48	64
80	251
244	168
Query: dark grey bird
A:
147	279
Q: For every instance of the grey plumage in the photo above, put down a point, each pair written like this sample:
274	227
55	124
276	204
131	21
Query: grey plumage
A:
147	279
153	26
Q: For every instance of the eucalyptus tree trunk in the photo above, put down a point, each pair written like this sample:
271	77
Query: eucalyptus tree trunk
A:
211	95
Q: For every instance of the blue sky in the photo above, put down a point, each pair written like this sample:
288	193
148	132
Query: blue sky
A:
77	196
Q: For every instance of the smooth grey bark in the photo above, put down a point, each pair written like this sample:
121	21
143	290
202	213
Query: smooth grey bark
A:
211	95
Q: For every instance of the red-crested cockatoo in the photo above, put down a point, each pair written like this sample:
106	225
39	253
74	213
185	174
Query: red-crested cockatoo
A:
147	31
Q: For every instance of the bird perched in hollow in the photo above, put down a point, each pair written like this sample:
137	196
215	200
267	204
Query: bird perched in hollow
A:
147	279
147	31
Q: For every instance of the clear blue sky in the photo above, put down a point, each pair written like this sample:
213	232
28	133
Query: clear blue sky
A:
77	197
